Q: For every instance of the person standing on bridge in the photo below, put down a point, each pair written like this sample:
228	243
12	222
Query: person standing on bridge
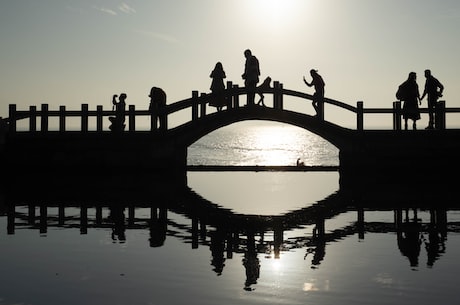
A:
251	75
318	97
156	106
431	89
217	87
118	121
408	93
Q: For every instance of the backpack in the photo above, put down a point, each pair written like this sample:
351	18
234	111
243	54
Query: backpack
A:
401	94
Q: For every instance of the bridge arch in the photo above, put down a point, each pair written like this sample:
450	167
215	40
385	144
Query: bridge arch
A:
187	134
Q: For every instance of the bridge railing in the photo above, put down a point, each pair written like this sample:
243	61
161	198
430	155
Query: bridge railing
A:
198	104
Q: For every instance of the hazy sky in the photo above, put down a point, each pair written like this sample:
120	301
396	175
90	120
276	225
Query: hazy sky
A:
69	52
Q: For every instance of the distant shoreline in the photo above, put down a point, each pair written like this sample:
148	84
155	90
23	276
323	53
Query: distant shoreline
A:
261	168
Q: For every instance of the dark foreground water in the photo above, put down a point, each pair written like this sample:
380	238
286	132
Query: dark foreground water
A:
227	238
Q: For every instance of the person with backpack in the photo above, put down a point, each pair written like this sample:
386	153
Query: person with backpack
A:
408	92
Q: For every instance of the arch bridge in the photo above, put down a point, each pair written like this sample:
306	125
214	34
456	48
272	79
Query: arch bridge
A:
30	140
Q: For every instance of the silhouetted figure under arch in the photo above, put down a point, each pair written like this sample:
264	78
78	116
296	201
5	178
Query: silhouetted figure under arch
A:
118	121
318	97
251	75
218	99
408	93
432	85
157	105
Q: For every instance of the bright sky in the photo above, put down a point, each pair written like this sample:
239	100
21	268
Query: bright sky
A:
69	52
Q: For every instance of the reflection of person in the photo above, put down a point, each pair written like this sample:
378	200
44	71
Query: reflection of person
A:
251	75
117	215
218	87
118	121
251	263
409	239
318	83
431	89
157	103
264	86
409	93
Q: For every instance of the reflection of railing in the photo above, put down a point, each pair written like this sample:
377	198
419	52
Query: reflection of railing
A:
198	104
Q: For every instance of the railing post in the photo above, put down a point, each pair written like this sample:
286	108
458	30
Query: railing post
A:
229	95
12	116
321	109
44	118
236	97
62	126
202	105
99	118
163	118
359	115
440	116
132	118
194	105
33	118
276	95
280	96
84	117
397	115
153	118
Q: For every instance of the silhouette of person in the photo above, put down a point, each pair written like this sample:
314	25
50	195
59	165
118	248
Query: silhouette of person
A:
117	216
318	83
251	75
264	86
217	87
217	248
251	263
157	104
118	121
432	85
409	239
408	92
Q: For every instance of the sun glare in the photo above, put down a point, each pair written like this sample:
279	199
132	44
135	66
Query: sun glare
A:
274	12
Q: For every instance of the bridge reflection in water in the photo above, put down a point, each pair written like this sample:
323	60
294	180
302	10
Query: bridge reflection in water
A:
147	203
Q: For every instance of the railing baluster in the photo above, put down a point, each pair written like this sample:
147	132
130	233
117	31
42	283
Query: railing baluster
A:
132	118
84	117
12	117
276	95
62	118
33	118
397	115
44	118
440	117
236	97
202	105
99	118
194	105
359	115
229	95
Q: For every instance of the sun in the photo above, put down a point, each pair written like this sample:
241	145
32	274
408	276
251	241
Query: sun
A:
274	10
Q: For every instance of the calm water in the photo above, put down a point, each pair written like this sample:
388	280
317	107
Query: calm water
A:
227	237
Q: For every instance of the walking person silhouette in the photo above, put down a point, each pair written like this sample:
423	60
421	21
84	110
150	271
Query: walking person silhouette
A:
251	75
432	85
318	97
